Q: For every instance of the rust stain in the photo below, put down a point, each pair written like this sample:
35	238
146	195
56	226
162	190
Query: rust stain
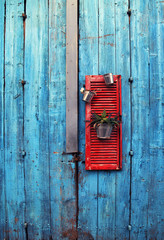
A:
71	234
85	235
16	220
60	191
101	195
111	44
107	35
55	152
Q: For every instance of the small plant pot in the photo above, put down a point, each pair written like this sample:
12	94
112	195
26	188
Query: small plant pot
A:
104	131
108	79
88	95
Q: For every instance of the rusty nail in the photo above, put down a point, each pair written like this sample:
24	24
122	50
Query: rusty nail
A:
25	225
131	153
129	227
24	16
129	12
130	79
23	153
23	82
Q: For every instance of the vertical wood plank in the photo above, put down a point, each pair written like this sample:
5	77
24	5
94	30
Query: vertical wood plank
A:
36	121
2	175
140	118
72	76
156	123
14	166
62	168
106	179
88	64
123	67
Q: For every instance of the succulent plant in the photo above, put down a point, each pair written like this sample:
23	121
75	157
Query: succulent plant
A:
103	118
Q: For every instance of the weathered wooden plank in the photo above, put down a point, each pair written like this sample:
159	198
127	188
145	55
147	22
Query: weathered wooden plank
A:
106	179
62	169
72	76
155	226
14	165
123	67
88	64
140	118
36	122
2	182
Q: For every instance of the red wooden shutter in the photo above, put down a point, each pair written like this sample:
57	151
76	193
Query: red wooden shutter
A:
103	154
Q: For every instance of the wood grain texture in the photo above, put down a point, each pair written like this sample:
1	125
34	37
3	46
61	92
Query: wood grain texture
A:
2	136
114	57
155	227
36	123
14	165
43	188
122	67
140	118
62	168
88	64
106	179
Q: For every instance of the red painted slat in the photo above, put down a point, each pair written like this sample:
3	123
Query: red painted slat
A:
103	154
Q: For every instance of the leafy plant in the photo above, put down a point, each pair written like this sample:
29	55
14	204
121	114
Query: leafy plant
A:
103	118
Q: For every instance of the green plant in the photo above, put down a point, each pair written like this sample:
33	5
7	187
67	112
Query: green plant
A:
103	118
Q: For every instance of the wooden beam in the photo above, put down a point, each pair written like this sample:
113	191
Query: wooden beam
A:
72	77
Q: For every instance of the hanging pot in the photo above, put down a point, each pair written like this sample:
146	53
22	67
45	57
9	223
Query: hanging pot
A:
104	131
108	79
88	95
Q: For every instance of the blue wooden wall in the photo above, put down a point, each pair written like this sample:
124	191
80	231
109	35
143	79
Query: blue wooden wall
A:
44	193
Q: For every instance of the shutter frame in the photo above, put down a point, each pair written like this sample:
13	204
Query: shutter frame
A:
116	139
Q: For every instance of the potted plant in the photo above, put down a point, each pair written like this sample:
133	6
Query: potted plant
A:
104	124
88	94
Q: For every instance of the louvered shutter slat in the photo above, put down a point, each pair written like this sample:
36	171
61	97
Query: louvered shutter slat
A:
103	154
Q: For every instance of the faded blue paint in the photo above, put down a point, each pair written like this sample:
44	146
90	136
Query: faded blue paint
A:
2	169
88	64
45	187
13	125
